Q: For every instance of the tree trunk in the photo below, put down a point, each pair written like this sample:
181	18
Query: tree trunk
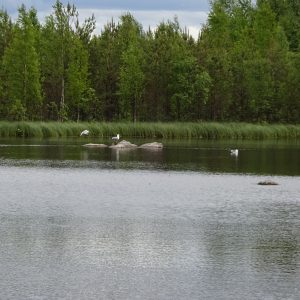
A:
134	117
78	113
62	98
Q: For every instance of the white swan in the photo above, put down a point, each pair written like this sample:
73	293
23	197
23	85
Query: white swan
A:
116	138
234	152
84	132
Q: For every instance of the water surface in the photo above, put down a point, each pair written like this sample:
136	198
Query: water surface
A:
188	222
257	157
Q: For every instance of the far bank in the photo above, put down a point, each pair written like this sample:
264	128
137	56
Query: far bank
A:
197	130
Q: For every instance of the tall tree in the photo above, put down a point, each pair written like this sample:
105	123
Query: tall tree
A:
288	16
167	47
61	35
291	109
77	79
104	62
266	70
64	18
6	32
132	77
244	66
22	69
216	43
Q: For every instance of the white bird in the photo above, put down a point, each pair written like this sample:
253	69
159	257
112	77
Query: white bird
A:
116	138
234	152
84	132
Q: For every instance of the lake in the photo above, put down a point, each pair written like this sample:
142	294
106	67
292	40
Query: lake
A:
187	222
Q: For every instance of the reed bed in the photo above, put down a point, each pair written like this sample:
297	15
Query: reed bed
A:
200	130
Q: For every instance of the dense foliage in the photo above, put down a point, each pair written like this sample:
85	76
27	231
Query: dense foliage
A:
245	66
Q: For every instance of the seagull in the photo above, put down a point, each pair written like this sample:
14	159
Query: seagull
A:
116	138
84	132
234	152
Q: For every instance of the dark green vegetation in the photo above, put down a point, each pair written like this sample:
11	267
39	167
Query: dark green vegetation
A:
245	66
203	130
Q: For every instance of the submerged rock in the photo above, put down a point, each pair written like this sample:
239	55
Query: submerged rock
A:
95	145
267	182
123	145
154	145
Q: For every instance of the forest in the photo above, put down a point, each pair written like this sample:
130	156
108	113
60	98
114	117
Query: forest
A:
243	67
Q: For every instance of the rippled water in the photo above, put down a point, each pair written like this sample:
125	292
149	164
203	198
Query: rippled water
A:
255	157
86	224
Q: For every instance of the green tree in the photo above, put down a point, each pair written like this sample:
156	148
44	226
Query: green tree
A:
291	107
201	90
287	15
165	49
266	70
6	32
216	43
132	77
21	67
64	43
104	62
64	18
77	79
244	66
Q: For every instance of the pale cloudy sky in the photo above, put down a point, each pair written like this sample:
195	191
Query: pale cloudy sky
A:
191	13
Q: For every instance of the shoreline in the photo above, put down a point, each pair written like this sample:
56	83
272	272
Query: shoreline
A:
174	130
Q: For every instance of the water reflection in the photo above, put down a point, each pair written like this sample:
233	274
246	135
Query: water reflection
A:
116	154
161	235
257	157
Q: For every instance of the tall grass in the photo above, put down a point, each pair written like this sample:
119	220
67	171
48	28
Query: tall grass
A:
203	130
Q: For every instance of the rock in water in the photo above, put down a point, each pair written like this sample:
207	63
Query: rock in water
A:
123	145
95	145
267	182
154	146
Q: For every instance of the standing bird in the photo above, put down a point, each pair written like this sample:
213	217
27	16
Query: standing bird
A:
84	133
116	138
234	152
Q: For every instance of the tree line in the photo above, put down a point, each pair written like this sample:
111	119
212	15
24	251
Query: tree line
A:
244	66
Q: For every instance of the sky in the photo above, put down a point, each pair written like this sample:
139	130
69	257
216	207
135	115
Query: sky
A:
191	14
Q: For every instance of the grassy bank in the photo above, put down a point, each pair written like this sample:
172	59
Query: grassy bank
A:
204	130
